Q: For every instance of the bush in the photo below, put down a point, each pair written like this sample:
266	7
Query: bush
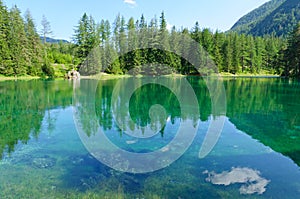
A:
48	70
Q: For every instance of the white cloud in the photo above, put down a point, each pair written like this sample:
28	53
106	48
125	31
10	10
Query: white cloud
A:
130	2
251	180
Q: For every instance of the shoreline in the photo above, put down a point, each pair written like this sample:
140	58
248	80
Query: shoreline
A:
10	78
105	76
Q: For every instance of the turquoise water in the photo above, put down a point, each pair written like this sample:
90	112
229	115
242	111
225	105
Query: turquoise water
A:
256	156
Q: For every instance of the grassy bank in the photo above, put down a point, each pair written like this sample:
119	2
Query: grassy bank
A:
263	74
5	78
105	76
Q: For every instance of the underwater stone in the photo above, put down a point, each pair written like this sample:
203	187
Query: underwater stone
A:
44	162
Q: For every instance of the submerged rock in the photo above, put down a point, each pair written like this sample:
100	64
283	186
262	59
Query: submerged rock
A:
250	178
77	159
73	74
21	155
43	162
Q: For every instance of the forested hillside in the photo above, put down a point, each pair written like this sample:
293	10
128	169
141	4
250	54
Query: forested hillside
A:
247	22
277	17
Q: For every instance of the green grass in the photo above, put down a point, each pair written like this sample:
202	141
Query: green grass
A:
61	70
104	76
247	74
25	77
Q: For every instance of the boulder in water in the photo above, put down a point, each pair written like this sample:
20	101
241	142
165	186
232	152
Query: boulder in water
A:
73	74
43	162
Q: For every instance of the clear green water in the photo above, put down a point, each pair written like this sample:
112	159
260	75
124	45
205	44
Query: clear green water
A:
257	155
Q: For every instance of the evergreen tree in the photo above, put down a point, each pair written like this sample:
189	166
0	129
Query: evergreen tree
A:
123	43
196	33
46	28
292	54
271	51
175	47
17	44
133	58
236	54
116	32
152	52
5	62
87	39
164	56
218	41
227	55
260	53
252	54
207	40
81	37
33	45
185	49
143	39
244	54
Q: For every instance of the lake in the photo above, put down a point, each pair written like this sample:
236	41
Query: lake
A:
150	138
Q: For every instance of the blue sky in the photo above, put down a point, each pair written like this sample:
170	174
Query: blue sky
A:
63	15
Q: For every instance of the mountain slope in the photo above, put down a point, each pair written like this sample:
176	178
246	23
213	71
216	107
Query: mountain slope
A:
53	41
277	17
244	24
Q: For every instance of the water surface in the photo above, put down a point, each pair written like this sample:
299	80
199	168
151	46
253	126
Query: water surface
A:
42	156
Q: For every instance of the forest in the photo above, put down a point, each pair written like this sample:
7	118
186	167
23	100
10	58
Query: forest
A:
277	17
22	52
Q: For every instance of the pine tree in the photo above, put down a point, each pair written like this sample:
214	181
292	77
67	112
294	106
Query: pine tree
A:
133	57
17	43
116	32
33	45
236	53
196	33
207	40
260	53
218	41
143	39
244	54
164	57
123	43
271	51
87	38
185	49
227	54
5	61
252	54
175	48
46	28
292	54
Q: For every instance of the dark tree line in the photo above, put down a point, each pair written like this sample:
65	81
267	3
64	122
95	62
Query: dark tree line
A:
106	43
